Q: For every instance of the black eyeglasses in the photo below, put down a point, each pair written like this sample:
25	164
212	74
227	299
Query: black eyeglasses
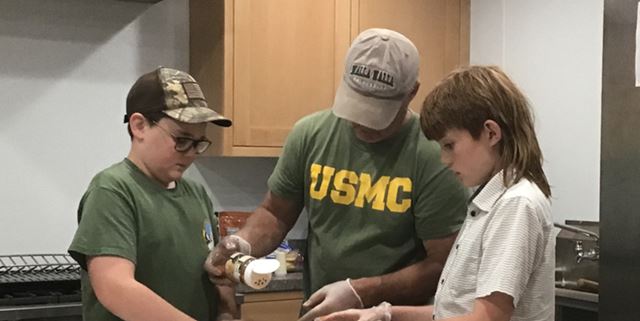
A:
183	144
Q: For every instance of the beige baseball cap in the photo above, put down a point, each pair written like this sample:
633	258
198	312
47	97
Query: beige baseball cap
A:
381	68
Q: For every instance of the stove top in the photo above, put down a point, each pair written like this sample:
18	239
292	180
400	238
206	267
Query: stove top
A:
31	279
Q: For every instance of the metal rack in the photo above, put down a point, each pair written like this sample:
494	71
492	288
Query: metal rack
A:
38	268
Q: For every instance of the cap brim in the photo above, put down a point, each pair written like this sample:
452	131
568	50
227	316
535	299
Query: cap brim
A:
371	112
195	115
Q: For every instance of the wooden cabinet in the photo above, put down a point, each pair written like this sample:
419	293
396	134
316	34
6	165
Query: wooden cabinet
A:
267	63
271	306
438	28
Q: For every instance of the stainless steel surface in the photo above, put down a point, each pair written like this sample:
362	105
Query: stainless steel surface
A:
620	166
39	287
38	268
577	229
582	252
592	254
62	311
578	295
576	305
577	241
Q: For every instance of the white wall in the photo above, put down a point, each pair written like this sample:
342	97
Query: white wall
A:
553	51
65	69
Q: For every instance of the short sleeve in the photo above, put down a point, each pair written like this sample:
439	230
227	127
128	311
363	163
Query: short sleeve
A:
106	227
287	179
512	246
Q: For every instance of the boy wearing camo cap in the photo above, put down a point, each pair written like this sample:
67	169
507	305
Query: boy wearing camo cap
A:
144	230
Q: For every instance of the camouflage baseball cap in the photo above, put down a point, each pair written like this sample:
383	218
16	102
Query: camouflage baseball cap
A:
174	93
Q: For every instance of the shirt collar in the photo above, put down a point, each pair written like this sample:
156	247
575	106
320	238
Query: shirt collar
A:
490	193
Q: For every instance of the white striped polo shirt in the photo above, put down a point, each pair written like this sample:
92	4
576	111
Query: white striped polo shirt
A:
507	245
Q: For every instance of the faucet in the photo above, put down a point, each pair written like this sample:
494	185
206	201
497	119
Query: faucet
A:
592	254
578	230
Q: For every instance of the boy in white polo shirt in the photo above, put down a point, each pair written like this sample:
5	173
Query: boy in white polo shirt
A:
501	267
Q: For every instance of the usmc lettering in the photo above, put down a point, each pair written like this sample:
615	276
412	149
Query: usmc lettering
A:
351	188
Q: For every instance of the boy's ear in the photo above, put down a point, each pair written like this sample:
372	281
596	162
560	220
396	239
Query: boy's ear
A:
138	123
493	131
414	91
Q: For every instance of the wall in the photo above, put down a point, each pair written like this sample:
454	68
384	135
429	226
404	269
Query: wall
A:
239	184
553	50
66	66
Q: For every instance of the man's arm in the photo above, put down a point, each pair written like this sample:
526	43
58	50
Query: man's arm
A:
113	282
269	224
411	285
227	308
265	228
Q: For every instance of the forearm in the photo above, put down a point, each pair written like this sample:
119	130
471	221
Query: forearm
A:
263	231
269	224
227	304
131	300
411	313
412	285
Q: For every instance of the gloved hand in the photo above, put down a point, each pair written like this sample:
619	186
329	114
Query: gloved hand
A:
330	298
215	262
380	313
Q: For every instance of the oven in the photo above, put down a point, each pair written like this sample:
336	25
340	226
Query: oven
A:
39	287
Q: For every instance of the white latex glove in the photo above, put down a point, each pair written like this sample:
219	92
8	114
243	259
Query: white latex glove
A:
330	298
215	262
380	313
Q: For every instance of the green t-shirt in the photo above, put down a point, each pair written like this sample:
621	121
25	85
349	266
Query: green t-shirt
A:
166	233
369	205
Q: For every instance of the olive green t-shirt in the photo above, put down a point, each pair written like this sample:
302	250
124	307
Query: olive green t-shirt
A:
369	205
166	233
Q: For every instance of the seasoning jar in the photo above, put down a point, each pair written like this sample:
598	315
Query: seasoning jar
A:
247	270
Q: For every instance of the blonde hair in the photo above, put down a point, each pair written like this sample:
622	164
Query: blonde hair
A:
467	98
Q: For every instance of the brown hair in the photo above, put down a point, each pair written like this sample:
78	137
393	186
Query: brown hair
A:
467	98
151	117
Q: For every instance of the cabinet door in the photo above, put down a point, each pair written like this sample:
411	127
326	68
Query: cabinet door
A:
277	306
268	63
287	57
438	28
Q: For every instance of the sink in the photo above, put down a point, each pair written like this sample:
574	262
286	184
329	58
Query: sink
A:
573	273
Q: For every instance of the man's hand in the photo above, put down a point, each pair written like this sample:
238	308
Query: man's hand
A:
330	298
215	262
380	313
